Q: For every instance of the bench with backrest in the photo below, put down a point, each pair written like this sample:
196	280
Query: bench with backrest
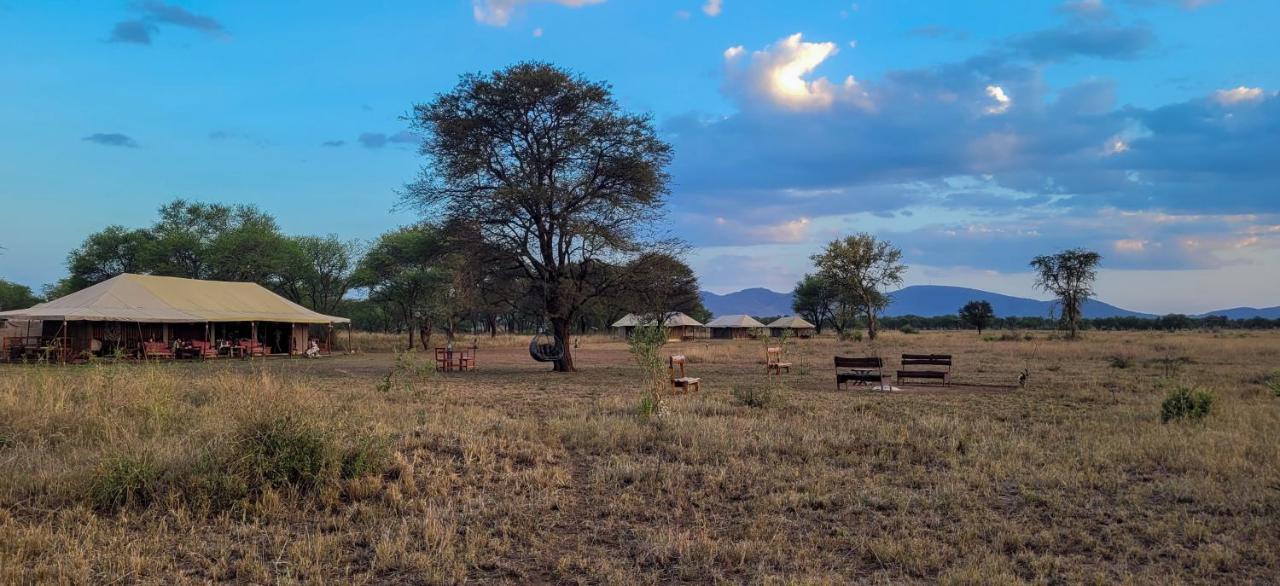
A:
156	350
926	366
680	380
773	361
859	371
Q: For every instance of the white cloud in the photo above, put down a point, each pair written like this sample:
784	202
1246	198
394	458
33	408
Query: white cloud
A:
711	8
499	12
1237	95
778	74
1003	102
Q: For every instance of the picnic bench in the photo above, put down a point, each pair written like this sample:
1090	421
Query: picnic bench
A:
912	367
448	359
859	370
773	361
684	381
156	350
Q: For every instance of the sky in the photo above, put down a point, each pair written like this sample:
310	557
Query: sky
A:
974	135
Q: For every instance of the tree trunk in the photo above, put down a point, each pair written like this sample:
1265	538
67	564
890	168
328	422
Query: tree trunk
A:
560	329
872	330
410	328
493	326
424	334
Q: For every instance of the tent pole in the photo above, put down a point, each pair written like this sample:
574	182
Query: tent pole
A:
64	340
351	349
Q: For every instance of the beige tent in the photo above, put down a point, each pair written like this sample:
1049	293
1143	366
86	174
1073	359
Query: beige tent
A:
792	325
126	309
679	326
729	327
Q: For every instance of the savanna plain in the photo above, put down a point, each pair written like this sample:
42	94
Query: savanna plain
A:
373	468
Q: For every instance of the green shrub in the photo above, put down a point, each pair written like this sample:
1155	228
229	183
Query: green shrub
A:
908	329
366	457
1184	403
649	408
124	481
1273	383
756	397
285	452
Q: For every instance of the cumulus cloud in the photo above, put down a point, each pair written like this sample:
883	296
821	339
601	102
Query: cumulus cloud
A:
112	139
1002	101
499	12
152	14
712	8
1237	95
779	75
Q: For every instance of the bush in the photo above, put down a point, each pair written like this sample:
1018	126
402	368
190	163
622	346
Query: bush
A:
1273	383
124	481
285	452
1184	403
651	407
1121	361
907	329
367	457
756	397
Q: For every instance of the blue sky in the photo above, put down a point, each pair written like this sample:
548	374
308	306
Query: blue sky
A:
974	134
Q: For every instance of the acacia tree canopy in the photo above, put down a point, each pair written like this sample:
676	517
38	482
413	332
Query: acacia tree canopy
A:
1069	276
543	169
860	268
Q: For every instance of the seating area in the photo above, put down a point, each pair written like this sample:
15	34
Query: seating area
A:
865	370
449	359
773	361
679	378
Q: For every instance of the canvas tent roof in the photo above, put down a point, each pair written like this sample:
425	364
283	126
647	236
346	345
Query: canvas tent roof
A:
734	321
791	321
674	319
151	299
628	321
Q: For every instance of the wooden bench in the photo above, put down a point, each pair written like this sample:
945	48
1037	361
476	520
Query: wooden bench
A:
773	361
859	371
911	364
156	350
683	381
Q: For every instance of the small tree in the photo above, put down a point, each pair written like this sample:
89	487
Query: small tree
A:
812	299
977	314
860	268
1069	276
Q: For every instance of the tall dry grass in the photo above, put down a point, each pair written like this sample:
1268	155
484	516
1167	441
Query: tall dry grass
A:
511	474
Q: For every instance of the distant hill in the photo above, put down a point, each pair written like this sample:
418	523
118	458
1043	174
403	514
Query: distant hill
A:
922	300
1246	313
757	301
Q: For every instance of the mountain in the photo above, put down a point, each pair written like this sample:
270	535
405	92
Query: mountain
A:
922	300
757	301
933	300
1246	313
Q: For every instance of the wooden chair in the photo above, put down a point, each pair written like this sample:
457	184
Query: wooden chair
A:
252	348
859	371
156	350
919	360
682	381
773	361
444	362
466	359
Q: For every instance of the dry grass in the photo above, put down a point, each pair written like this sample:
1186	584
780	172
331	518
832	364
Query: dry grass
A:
514	474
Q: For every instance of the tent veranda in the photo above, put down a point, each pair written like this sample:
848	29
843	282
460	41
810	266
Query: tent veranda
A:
121	312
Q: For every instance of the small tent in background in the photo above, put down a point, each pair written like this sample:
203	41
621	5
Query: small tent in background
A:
682	327
729	327
791	325
626	326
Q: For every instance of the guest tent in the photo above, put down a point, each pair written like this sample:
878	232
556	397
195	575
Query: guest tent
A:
122	312
728	327
679	326
791	325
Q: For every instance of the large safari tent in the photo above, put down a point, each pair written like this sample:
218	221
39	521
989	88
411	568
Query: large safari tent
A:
731	327
679	326
791	325
119	314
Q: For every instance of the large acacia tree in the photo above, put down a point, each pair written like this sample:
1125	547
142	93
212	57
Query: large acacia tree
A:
860	268
1069	276
543	169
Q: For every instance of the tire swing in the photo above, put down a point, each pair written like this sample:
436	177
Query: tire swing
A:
544	348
